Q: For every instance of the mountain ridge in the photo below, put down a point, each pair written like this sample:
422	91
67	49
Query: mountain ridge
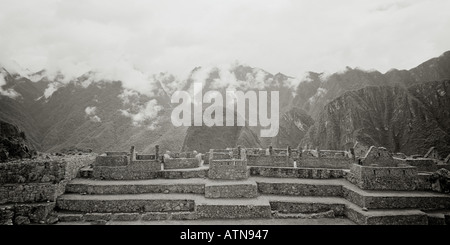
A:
104	115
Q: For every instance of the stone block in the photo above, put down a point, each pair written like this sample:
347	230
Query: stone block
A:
32	171
304	173
307	207
297	189
125	216
97	216
324	162
6	215
70	217
383	178
228	169
241	189
181	163
379	156
27	192
238	211
21	220
154	216
111	161
184	216
422	164
145	165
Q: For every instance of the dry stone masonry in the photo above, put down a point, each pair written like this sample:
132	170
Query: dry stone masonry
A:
29	189
230	183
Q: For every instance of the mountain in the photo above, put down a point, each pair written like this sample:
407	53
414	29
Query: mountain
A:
321	89
293	127
90	113
402	120
100	115
203	138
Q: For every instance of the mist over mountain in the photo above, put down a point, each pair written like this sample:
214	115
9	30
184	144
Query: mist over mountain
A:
324	110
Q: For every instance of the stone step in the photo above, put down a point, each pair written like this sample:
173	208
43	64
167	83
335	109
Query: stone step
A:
108	187
438	217
290	172
256	208
306	205
420	200
181	206
300	187
385	217
106	217
328	214
231	189
129	203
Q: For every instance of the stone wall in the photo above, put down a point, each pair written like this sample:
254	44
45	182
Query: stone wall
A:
30	171
383	178
422	164
241	189
29	188
30	181
324	162
23	214
119	166
219	155
145	157
228	169
181	163
285	158
28	192
274	160
72	169
379	156
140	169
304	173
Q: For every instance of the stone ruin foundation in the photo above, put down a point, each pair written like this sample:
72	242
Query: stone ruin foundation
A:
232	183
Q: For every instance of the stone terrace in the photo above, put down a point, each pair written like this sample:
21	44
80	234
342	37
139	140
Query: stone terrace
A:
231	188
237	183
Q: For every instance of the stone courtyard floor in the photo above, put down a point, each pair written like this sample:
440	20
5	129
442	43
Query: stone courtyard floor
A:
324	221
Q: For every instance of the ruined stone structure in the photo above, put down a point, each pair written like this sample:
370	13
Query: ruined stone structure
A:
236	183
28	189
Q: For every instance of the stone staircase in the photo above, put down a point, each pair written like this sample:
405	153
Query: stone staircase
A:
267	192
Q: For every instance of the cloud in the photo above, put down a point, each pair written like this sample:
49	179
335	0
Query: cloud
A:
91	113
131	40
128	96
10	92
320	92
51	88
145	114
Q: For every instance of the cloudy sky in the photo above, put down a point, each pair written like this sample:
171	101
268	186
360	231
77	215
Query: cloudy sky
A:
131	39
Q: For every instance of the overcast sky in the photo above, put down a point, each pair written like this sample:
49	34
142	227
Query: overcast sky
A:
130	39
